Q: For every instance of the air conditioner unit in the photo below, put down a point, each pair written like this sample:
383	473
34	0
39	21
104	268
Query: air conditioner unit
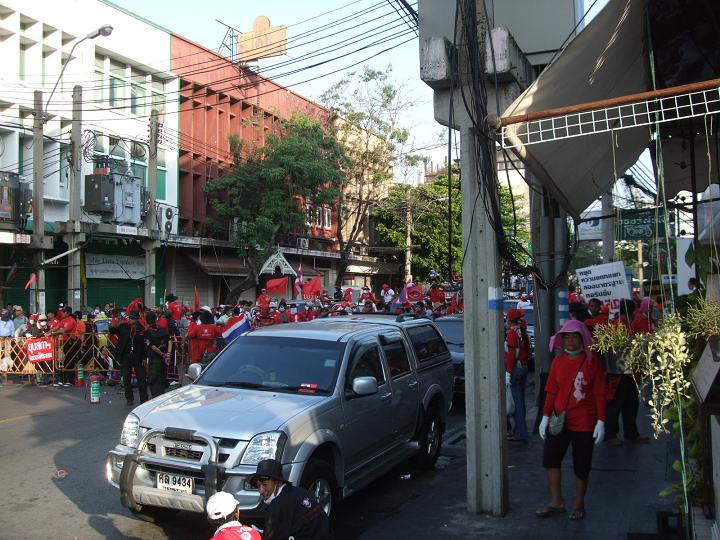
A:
303	243
167	218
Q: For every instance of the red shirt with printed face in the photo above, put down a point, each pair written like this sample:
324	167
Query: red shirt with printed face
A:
585	387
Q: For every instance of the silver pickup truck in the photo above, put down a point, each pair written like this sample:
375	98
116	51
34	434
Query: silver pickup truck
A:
338	401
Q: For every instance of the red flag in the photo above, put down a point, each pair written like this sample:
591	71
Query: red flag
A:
196	297
32	279
277	286
312	288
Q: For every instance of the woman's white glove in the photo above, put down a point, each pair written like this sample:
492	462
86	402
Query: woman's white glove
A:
507	379
599	433
543	427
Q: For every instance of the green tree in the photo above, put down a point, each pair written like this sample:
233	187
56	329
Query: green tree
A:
368	109
266	192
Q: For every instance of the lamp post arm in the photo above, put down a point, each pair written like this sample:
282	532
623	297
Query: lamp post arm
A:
47	103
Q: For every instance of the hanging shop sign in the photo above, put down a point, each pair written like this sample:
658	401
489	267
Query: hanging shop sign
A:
642	225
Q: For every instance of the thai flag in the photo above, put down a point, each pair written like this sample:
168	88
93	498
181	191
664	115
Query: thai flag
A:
299	283
236	326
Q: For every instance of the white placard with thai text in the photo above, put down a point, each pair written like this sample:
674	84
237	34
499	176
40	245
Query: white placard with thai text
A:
604	281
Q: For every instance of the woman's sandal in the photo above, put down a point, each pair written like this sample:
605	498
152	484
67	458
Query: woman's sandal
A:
577	514
547	511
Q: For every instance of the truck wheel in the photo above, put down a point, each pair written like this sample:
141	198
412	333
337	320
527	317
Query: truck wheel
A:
154	514
318	478
430	439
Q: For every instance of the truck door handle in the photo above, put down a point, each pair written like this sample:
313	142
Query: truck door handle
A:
413	384
385	397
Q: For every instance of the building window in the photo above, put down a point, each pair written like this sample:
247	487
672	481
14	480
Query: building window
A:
308	215
65	155
318	216
140	171
161	184
99	83
115	92
327	222
23	54
43	67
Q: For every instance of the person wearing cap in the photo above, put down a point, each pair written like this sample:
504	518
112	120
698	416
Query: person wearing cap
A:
174	306
516	356
366	295
39	328
223	512
202	338
387	294
24	328
130	352
291	511
575	387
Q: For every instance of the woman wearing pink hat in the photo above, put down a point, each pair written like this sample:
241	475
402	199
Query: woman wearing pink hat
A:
576	391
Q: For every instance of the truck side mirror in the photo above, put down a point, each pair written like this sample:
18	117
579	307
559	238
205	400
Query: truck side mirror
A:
365	386
194	371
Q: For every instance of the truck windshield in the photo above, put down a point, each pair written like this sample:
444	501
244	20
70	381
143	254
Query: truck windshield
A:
306	366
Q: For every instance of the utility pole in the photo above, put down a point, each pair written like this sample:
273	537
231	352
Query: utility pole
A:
74	235
641	269
408	236
150	246
38	201
608	228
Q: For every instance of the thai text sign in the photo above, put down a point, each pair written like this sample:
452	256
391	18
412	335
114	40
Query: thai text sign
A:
99	266
40	349
604	281
642	225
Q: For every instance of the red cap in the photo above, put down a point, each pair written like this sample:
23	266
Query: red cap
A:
385	286
515	314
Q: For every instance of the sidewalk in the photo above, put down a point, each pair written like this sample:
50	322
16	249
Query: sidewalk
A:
622	496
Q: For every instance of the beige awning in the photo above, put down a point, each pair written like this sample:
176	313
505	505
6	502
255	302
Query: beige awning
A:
607	59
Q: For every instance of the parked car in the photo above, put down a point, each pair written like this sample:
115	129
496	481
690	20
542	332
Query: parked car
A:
453	331
339	401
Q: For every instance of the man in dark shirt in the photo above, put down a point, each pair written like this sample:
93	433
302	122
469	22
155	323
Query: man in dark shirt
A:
292	511
130	352
157	342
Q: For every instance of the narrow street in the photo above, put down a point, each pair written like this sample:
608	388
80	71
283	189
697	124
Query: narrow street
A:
54	442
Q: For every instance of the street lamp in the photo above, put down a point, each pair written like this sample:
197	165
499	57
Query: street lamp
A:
105	30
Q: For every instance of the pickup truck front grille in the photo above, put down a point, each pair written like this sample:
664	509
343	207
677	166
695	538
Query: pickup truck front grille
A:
182	453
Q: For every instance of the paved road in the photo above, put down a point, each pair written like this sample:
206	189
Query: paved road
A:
47	432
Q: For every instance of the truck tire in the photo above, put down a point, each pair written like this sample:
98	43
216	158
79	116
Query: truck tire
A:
319	479
430	439
154	514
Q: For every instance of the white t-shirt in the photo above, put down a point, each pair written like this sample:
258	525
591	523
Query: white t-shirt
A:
388	294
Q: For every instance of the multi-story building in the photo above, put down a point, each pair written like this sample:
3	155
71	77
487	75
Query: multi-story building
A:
201	98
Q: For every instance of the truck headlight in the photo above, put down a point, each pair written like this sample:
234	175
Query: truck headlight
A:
130	431
264	446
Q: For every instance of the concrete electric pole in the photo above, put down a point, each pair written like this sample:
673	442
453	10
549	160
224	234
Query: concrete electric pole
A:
74	237
608	228
38	200
151	245
446	67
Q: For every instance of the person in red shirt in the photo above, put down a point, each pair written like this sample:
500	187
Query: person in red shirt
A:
263	300
437	295
598	314
517	354
223	512
283	315
366	295
175	307
347	296
70	346
576	387
645	319
202	338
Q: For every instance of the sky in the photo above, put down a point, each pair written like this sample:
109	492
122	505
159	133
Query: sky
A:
379	22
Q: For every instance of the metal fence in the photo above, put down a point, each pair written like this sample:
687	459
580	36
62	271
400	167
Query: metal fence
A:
92	352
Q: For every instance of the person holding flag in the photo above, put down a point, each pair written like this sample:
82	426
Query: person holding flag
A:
299	284
236	325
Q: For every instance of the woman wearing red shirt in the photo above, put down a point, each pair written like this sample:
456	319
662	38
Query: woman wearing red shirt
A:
576	386
202	338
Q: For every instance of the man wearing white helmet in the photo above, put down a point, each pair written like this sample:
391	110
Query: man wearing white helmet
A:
223	511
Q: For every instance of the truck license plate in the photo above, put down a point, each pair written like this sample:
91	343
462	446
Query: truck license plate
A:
174	482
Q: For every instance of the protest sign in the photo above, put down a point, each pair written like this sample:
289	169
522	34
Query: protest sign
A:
40	349
604	281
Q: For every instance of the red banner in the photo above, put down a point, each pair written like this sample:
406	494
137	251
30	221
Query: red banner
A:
312	288
40	349
277	286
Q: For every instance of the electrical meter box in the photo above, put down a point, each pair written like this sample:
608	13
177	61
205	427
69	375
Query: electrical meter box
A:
99	194
9	197
128	199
